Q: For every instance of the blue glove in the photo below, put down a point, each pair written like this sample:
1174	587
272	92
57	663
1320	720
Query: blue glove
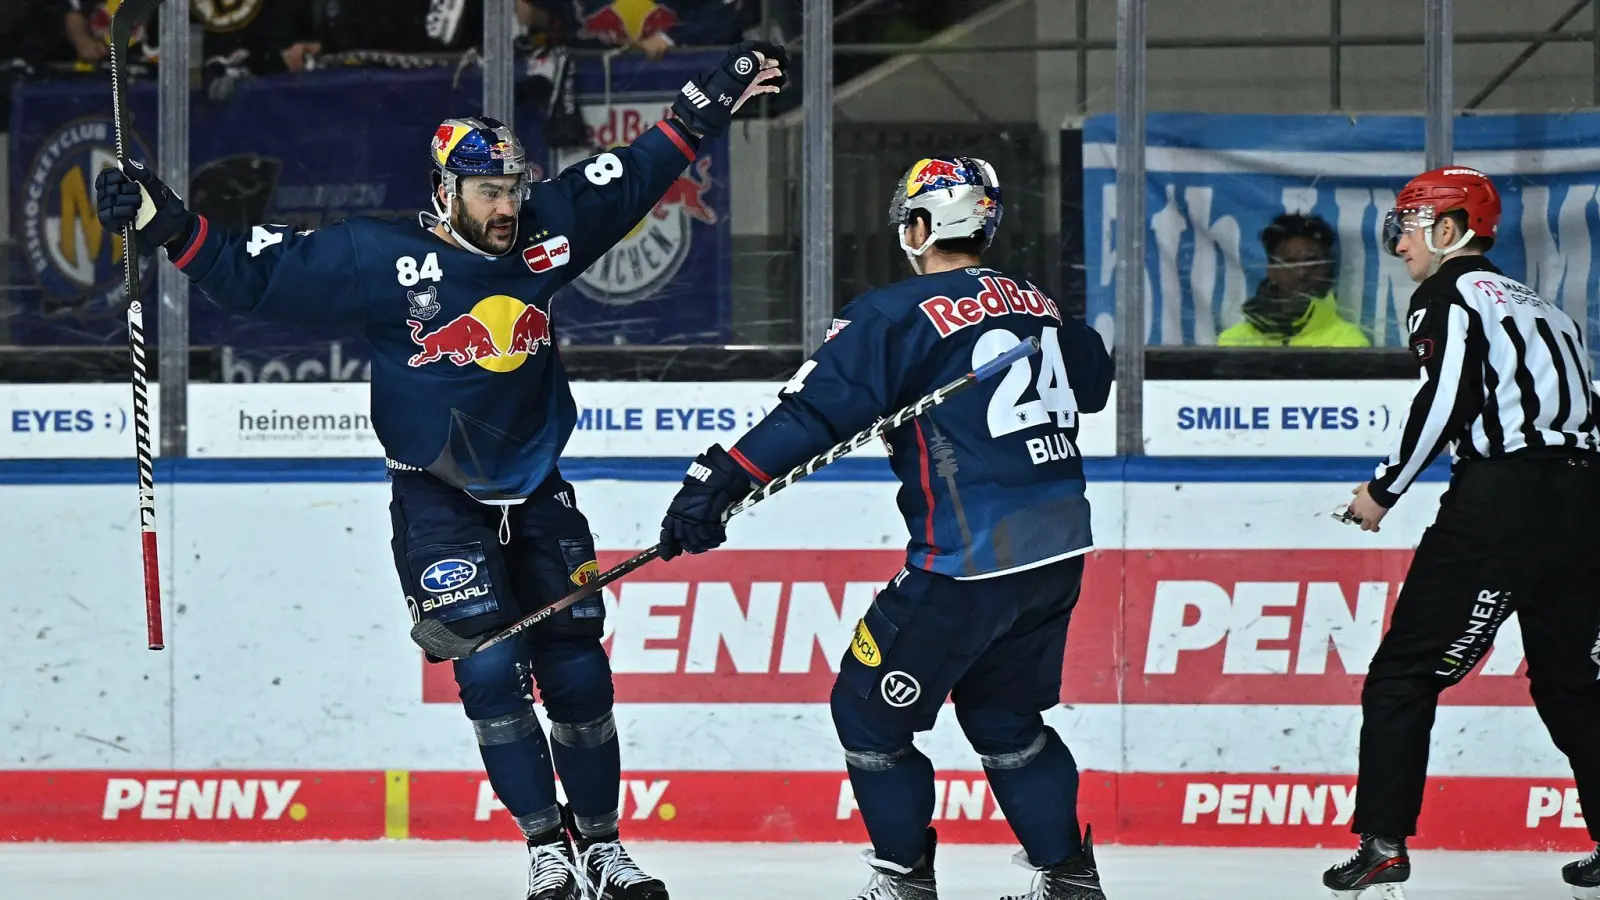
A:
694	520
707	103
134	194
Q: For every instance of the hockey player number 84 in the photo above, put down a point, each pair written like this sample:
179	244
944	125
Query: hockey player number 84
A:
1006	413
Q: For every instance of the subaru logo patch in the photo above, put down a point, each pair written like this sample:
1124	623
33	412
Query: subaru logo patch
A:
447	575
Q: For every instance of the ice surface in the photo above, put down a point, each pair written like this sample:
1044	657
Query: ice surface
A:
419	870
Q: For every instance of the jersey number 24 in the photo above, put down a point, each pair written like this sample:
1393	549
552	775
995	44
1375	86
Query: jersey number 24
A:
1008	412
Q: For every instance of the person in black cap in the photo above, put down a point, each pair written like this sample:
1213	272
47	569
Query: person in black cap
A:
1294	305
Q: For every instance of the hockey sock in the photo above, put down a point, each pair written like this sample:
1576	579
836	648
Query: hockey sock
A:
1040	800
895	796
517	760
589	758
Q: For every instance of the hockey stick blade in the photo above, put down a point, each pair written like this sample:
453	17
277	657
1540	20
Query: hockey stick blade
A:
440	641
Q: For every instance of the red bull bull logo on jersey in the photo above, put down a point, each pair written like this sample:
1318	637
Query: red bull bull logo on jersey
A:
622	22
498	334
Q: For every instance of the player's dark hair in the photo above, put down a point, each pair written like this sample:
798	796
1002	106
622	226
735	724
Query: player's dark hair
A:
1479	243
967	246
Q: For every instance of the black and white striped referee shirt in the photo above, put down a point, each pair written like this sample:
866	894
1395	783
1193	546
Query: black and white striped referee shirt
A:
1504	373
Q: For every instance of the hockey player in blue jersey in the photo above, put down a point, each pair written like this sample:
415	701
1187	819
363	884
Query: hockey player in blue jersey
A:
992	490
473	408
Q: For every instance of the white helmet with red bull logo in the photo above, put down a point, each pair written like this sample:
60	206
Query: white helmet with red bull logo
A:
465	147
959	195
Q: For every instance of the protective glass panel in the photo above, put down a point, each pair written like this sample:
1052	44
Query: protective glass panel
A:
1519	76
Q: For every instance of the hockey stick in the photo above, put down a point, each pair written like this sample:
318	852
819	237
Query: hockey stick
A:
440	641
124	22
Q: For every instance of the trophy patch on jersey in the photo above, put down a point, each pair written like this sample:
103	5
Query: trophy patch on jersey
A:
424	303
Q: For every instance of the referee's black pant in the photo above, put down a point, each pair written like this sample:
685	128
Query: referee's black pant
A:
1513	535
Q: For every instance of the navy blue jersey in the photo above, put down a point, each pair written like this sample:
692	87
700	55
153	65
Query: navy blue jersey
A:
466	380
991	480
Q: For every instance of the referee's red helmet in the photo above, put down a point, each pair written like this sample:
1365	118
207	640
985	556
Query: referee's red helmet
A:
1432	194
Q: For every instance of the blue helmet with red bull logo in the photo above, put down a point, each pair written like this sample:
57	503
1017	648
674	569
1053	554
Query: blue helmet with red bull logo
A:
467	147
959	195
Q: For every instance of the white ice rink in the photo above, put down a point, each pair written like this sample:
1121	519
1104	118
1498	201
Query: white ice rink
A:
418	870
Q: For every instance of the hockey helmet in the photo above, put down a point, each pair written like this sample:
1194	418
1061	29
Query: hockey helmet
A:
475	146
960	195
1426	198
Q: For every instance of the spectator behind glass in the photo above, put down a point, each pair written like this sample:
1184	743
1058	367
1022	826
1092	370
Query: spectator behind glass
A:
39	31
400	26
651	26
1294	306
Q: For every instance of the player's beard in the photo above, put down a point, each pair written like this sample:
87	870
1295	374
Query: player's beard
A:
477	232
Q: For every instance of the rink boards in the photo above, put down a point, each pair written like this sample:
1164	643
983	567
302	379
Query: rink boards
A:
1210	694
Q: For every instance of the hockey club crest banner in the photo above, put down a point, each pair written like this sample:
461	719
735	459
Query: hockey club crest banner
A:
309	150
1215	181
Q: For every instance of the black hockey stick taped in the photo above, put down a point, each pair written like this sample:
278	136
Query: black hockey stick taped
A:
124	22
440	641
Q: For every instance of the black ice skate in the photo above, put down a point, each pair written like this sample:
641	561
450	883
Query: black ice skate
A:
612	873
896	882
553	872
1076	879
1374	872
1584	876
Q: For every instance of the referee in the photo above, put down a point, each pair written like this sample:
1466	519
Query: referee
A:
1506	384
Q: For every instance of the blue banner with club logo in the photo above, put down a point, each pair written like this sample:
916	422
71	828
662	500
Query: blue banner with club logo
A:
311	149
1215	181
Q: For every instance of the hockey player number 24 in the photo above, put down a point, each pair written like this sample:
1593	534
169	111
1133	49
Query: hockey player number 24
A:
1006	413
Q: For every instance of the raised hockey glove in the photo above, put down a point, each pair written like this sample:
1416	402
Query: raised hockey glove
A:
134	194
694	520
705	104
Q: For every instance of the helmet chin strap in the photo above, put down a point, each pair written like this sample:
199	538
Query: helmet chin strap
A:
914	254
1427	239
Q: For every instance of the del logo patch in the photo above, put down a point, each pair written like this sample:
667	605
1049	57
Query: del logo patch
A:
547	255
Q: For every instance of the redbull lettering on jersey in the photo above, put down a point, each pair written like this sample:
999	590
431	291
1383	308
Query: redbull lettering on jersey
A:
1000	296
498	334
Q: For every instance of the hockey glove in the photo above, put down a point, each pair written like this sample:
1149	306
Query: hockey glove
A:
694	520
705	104
134	194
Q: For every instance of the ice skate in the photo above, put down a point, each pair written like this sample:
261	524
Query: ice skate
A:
1584	876
612	873
1374	872
1078	878
895	882
553	872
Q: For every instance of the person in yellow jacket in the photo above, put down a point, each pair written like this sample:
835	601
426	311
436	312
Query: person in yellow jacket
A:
1294	305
